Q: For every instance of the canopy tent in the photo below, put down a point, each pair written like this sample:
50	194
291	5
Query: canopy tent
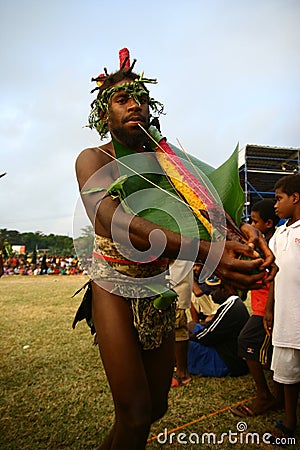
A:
260	167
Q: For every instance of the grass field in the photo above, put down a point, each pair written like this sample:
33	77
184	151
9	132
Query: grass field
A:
54	393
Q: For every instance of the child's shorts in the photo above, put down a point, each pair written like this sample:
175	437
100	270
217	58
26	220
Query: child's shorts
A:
286	365
181	328
253	342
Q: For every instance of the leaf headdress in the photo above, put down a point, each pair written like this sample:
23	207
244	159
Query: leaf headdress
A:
107	88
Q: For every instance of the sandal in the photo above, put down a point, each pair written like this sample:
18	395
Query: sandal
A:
252	409
177	381
282	436
242	411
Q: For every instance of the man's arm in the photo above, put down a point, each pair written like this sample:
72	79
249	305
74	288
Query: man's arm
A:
95	169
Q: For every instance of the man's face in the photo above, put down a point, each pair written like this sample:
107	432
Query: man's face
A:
125	115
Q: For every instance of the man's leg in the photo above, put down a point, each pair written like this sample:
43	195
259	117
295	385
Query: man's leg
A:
159	365
124	366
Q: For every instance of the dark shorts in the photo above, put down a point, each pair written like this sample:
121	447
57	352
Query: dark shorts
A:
253	342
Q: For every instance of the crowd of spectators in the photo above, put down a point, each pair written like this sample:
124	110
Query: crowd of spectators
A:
43	264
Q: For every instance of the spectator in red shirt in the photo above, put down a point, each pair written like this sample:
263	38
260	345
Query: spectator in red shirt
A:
254	345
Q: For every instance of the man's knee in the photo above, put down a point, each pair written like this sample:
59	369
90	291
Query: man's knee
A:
142	411
137	418
135	415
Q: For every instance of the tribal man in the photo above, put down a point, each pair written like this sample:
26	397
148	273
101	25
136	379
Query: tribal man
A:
133	305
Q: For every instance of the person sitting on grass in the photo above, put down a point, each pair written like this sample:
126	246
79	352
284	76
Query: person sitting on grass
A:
213	346
202	306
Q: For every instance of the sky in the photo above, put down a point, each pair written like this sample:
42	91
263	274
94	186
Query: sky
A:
228	73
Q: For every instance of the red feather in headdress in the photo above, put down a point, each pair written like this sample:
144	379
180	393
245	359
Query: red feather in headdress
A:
124	58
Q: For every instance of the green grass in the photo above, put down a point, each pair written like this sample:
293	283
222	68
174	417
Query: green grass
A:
54	393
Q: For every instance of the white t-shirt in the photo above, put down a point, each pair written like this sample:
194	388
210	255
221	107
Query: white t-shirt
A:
285	244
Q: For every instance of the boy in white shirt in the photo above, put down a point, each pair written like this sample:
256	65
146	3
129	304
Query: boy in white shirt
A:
283	306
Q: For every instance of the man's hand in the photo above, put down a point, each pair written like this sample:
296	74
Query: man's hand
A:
240	273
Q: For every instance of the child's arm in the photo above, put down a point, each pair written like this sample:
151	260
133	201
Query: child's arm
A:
196	289
269	311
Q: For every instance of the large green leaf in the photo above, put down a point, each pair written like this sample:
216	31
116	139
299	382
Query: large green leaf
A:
156	199
227	183
149	194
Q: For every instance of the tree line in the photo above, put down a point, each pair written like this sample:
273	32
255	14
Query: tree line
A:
55	244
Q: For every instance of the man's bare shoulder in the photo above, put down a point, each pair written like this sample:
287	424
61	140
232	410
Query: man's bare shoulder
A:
90	160
101	155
